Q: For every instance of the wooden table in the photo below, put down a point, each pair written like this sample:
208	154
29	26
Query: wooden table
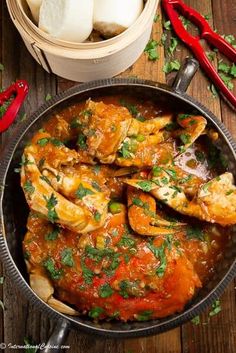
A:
20	319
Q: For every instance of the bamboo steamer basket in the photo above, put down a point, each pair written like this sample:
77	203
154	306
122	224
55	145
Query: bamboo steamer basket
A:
83	61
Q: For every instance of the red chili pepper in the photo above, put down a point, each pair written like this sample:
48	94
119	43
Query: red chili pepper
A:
19	90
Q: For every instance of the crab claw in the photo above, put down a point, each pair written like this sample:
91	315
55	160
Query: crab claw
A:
142	206
42	286
213	202
193	126
43	198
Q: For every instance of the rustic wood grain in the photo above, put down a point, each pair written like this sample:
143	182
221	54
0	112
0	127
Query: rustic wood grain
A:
20	318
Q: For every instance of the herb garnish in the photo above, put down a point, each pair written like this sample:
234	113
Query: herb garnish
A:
54	272
196	320
51	202
216	308
67	257
53	234
95	312
151	50
105	291
159	253
144	315
82	192
87	273
97	216
81	142
195	232
145	185
169	67
28	187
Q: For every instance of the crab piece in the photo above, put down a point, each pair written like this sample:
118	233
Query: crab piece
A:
149	127
110	134
43	287
46	148
59	128
217	199
193	126
142	207
153	150
104	127
214	201
80	217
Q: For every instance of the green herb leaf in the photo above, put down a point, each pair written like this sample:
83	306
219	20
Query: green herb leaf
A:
144	315
137	202
159	253
167	25
222	66
97	216
126	241
95	312
125	150
211	55
54	272
151	50
195	232
196	320
87	273
82	192
1	280
216	308
75	123
227	80
1	67
230	38
105	291
233	70
185	21
172	173
171	66
31	346
81	142
43	141
87	113
56	142
51	202
156	171
163	38
156	18
145	185
67	257
132	109
185	138
124	286
207	16
173	45
28	187
48	97
53	235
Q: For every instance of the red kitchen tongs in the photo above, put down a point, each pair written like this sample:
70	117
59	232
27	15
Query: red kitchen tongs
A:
18	91
173	9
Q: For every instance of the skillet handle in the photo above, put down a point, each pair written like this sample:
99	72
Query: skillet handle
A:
57	338
185	75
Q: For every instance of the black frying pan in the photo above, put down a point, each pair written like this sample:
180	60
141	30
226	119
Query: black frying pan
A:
14	210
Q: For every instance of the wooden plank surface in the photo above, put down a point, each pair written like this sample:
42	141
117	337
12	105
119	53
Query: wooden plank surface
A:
20	319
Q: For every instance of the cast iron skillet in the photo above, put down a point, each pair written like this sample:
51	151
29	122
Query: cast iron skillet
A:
14	210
